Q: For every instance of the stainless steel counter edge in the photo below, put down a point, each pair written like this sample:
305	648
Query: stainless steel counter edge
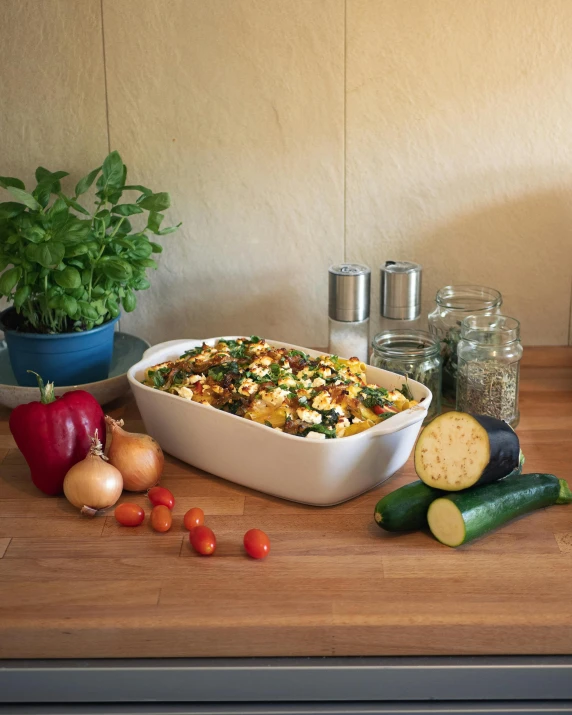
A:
282	680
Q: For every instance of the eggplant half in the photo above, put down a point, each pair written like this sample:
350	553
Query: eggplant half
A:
458	450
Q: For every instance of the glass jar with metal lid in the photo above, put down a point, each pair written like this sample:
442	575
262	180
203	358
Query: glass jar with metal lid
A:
414	353
489	354
454	303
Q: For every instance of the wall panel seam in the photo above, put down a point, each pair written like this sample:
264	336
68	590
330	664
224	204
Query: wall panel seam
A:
105	76
345	123
570	317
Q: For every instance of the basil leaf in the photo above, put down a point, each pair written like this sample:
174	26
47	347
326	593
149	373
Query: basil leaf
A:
154	221
83	184
171	229
116	269
141	249
6	181
113	306
155	202
47	254
127	209
129	301
8	280
23	196
74	205
137	187
113	171
34	234
69	278
21	296
42	194
141	283
9	209
87	310
69	305
73	250
157	248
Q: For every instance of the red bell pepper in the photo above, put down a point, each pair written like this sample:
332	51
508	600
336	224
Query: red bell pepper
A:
55	433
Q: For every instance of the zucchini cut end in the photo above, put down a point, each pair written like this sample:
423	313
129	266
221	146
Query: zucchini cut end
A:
446	522
452	452
565	495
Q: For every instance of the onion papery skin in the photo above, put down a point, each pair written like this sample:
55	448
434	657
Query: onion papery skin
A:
93	485
138	457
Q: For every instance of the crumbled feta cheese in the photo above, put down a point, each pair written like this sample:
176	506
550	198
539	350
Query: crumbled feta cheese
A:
217	389
248	387
185	392
258	347
287	382
322	401
325	372
341	427
206	356
315	435
318	382
196	378
306	383
309	416
356	420
260	366
339	409
273	397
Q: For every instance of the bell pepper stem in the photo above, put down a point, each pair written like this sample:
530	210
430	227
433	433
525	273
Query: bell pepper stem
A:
46	391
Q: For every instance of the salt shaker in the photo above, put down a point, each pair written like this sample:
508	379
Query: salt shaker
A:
348	309
400	295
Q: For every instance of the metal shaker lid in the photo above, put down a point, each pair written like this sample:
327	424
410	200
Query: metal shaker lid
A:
349	286
400	290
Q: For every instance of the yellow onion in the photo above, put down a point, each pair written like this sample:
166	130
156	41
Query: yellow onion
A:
93	484
138	457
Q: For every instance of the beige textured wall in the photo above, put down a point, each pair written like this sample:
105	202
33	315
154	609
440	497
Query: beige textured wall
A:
295	133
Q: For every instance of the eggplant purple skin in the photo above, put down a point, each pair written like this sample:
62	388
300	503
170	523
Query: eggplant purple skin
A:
504	449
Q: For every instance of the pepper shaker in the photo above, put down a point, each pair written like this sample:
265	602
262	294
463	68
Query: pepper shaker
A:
400	295
348	310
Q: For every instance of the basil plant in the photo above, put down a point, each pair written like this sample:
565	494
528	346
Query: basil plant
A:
66	268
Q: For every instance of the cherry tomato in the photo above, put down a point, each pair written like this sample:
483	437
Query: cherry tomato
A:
161	518
194	517
379	410
129	514
160	495
257	544
203	540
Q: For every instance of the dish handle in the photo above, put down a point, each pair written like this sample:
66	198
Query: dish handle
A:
410	417
168	344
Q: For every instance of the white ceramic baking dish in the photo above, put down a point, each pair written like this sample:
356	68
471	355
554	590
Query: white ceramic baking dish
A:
319	472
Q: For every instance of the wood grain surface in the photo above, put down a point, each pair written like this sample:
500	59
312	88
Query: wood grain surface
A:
334	583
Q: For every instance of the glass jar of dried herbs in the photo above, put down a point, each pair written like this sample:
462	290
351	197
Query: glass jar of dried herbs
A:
415	354
489	354
453	304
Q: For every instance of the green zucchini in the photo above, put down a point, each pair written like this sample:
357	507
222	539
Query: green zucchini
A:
457	451
405	509
459	518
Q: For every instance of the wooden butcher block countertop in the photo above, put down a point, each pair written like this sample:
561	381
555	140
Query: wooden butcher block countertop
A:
334	583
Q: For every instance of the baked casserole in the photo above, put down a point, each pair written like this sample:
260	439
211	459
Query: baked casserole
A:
323	397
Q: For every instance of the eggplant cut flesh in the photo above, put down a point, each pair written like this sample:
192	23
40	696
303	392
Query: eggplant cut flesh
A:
458	450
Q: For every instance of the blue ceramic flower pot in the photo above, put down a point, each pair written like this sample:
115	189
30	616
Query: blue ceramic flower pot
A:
65	359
